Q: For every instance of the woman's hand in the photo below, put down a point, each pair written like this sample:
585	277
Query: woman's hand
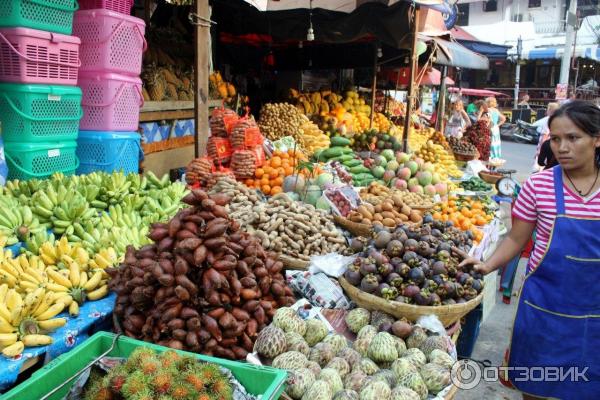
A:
477	265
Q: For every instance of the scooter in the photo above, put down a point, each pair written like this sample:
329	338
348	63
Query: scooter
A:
525	133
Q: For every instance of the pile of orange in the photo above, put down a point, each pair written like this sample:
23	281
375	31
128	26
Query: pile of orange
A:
269	177
464	213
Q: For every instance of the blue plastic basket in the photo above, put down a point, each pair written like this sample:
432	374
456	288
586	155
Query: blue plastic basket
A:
108	151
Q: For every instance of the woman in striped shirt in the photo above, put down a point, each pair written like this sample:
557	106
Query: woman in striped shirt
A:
557	324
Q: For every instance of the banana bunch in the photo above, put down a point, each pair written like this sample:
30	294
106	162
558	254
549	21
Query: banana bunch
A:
23	190
18	223
61	253
114	188
139	183
90	192
24	274
134	202
103	259
34	242
118	216
160	204
155	183
45	200
69	212
24	321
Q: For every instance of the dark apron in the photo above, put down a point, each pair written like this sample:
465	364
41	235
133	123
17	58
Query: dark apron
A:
558	317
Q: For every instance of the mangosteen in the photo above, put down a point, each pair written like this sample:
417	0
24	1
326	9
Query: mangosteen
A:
469	234
449	224
391	277
443	255
394	248
402	299
368	268
385	327
378	257
470	293
448	302
411	245
385	269
466	280
410	291
460	300
353	275
436	233
439	268
477	285
380	288
396	261
476	275
438	279
430	285
428	219
358	244
459	290
382	238
416	276
434	299
389	294
422	248
403	269
401	235
409	256
379	228
422	298
444	246
369	283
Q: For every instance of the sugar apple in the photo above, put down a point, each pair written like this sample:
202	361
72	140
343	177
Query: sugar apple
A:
340	365
270	342
346	395
383	348
404	393
416	356
355	380
415	382
332	377
295	342
314	367
361	346
435	377
316	330
416	338
289	322
385	375
367	332
350	355
319	390
432	343
379	317
368	366
337	341
282	314
403	367
441	358
357	318
291	360
375	390
400	346
322	353
298	382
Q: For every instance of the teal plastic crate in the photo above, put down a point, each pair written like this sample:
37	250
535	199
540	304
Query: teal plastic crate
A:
266	381
45	15
39	113
108	151
40	160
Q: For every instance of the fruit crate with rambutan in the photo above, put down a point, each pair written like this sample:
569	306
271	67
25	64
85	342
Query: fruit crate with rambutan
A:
150	371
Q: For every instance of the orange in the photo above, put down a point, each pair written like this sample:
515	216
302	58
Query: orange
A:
275	190
285	156
466	212
266	189
264	180
259	172
288	171
277	153
276	161
436	215
274	173
267	168
281	170
249	182
278	181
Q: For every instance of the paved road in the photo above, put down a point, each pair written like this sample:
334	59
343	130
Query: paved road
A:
518	156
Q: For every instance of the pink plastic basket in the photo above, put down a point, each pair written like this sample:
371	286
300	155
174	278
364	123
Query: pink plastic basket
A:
110	42
32	56
110	102
120	6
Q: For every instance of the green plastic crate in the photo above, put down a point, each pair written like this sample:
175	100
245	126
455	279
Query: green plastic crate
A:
40	160
39	113
266	381
45	15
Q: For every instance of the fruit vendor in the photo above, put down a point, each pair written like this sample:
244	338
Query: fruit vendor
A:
557	324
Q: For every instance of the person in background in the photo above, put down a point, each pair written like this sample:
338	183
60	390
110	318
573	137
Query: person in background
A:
472	110
544	131
546	160
557	314
524	103
497	119
458	120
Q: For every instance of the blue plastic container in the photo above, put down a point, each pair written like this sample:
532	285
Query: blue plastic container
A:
108	151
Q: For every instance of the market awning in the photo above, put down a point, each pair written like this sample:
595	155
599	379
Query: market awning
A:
490	50
476	92
337	5
401	76
589	52
454	54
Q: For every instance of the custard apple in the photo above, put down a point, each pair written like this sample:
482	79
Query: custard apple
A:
435	377
404	393
314	367
361	346
385	375
416	356
291	360
355	380
316	331
400	346
350	355
357	318
441	358
432	343
340	365
415	382
416	338
368	366
379	317
282	314
298	382
322	353
295	342
289	322
403	367
383	348
338	342
346	395
332	377
367	332
375	390
270	342
319	390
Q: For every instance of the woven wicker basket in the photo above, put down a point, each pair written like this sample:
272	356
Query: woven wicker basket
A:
293	263
489	178
465	157
447	314
355	228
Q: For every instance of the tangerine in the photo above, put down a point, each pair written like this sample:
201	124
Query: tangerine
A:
275	161
266	189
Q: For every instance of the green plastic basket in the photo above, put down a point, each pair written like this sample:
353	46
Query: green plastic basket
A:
266	381
45	15
39	113
40	160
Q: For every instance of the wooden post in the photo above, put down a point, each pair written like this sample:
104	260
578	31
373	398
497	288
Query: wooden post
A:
441	105
201	72
373	88
414	62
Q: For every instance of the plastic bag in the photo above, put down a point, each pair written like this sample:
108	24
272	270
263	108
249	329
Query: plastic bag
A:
3	166
332	264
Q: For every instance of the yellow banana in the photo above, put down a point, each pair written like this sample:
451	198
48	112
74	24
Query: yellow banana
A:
37	274
101	261
74	309
25	277
48	260
28	285
82	256
24	262
83	278
98	293
3	291
74	274
6	339
4	313
8	278
37	340
51	312
59	278
52	324
55	287
14	349
5	326
33	299
93	282
65	299
13	300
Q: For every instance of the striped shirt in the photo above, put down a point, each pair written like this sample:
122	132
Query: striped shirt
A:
537	204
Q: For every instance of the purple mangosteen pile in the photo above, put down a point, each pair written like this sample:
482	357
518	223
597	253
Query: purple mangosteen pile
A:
415	265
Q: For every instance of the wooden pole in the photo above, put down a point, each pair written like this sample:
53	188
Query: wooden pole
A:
201	72
373	88
441	105
414	61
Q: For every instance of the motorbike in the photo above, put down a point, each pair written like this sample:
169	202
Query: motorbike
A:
520	132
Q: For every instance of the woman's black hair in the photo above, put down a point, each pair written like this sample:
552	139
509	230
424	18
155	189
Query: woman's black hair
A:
585	115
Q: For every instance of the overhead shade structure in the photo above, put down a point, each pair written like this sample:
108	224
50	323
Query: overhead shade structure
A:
477	92
490	50
431	77
591	52
346	6
454	54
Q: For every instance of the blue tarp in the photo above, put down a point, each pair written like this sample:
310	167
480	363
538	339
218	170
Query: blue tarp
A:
490	50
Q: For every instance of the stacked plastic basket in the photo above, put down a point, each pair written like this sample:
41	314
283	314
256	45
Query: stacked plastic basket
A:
40	104
112	44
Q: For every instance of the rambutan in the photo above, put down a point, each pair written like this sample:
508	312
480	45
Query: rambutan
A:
209	372
136	383
181	392
145	394
195	380
203	396
98	392
221	388
140	355
116	380
150	366
169	358
161	382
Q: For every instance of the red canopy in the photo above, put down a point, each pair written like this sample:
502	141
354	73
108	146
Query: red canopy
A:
431	77
477	92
